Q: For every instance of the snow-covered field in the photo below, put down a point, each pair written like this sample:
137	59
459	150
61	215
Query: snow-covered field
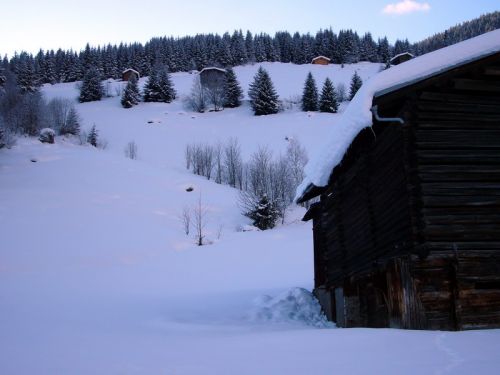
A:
97	276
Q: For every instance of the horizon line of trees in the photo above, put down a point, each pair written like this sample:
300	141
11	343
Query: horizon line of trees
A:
202	50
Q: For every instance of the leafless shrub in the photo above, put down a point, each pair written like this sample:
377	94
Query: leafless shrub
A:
63	116
197	99
341	92
185	219
131	150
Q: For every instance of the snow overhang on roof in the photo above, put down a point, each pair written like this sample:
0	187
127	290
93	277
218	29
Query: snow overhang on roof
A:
131	70
358	115
402	54
213	68
321	57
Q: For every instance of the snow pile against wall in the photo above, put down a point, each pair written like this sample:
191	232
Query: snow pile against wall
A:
295	305
358	116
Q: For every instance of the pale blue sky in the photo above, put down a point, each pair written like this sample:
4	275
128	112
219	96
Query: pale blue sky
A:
33	24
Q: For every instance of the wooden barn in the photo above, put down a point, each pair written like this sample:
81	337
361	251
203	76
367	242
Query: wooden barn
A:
212	77
407	228
401	58
127	73
321	60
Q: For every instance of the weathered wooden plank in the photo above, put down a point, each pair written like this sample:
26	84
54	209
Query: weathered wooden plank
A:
458	98
476	85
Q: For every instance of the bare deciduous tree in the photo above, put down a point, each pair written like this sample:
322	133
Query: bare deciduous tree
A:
233	163
200	221
197	99
185	218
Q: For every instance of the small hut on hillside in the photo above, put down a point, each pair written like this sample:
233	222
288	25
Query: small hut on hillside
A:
401	58
128	73
212	77
321	60
407	229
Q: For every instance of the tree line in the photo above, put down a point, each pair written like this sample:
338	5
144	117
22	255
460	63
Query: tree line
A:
202	50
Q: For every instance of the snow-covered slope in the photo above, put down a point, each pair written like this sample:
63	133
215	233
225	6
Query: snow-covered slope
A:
97	276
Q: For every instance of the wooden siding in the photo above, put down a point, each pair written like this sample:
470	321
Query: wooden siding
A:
366	218
408	232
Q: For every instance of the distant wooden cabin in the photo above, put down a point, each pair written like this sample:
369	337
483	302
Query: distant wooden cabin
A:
401	58
128	73
212	77
321	60
407	231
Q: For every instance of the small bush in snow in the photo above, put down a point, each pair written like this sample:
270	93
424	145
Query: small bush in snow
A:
260	209
93	136
47	135
131	150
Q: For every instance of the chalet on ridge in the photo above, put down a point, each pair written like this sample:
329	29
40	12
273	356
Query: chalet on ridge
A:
406	231
401	58
321	60
212	77
128	73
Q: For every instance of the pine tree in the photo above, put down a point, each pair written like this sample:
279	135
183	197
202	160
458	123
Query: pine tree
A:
264	214
93	136
310	94
263	96
159	87
27	79
232	90
328	101
356	83
91	88
131	95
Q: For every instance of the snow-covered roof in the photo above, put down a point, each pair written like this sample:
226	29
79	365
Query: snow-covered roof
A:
131	70
358	115
213	68
320	57
402	54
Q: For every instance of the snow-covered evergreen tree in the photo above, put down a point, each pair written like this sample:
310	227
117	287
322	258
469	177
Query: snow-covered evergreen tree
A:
356	83
92	137
91	88
263	214
27	78
159	87
131	95
263	96
310	94
328	101
232	90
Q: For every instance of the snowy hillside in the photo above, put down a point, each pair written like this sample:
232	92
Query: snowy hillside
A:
98	277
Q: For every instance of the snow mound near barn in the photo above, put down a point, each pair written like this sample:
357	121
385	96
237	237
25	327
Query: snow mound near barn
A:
296	305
